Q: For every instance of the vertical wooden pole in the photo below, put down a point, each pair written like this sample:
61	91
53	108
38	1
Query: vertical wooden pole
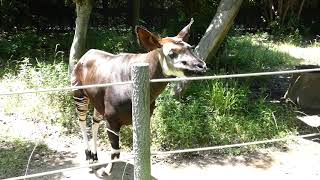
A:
141	121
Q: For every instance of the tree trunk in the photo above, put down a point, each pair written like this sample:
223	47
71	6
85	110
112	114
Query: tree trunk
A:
280	5
300	10
288	6
133	14
83	10
271	10
214	35
218	29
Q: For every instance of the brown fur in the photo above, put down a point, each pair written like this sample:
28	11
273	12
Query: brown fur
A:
114	103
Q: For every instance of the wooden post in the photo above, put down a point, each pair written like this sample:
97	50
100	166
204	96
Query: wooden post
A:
141	121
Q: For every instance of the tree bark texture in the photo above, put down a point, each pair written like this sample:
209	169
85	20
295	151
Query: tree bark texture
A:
300	9
83	10
218	29
214	35
135	14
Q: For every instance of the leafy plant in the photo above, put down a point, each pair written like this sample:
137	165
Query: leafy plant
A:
46	107
215	113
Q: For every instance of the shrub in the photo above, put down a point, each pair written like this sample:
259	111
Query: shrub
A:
217	112
253	53
54	107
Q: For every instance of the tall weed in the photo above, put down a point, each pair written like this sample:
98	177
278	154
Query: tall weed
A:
217	112
54	107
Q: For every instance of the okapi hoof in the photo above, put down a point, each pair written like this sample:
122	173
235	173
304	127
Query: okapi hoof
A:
93	157
115	156
88	154
105	171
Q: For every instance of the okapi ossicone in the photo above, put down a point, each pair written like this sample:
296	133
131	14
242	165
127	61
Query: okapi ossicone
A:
167	57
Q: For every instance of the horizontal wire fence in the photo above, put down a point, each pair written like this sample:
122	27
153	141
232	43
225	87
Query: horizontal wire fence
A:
159	153
68	169
50	90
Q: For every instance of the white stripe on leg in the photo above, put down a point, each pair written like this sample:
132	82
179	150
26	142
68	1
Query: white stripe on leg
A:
83	127
95	128
115	151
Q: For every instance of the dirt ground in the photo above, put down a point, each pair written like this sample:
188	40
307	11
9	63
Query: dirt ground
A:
298	159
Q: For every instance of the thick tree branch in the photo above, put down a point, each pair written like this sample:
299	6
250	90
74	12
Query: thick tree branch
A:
214	35
83	10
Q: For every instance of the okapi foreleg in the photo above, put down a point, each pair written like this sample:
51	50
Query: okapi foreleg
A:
113	134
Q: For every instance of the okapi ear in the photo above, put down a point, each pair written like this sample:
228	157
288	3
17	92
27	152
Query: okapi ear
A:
146	39
184	33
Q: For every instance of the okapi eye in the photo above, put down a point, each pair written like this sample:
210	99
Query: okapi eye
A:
172	54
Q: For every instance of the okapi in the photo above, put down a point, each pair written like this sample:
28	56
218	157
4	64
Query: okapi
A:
167	57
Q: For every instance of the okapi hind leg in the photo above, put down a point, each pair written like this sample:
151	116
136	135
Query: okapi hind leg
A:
113	134
82	103
97	117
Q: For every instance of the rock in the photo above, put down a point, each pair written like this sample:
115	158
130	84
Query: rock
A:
304	89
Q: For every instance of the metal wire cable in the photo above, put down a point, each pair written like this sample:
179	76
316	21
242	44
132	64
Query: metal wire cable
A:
234	75
161	80
64	88
67	169
158	153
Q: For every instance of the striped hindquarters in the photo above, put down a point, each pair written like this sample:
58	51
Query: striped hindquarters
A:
82	103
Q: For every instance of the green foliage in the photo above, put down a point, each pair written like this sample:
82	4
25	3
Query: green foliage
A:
227	111
55	107
291	32
217	112
253	52
115	40
14	47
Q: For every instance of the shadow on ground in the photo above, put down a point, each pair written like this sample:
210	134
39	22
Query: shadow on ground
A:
257	159
121	170
14	155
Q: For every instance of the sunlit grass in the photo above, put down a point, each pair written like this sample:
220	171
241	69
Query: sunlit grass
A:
306	55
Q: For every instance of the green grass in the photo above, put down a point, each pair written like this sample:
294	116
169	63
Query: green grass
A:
253	53
54	107
215	113
219	112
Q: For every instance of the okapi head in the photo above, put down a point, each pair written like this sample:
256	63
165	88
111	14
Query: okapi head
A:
176	55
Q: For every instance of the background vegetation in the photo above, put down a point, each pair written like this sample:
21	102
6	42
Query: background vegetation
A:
34	48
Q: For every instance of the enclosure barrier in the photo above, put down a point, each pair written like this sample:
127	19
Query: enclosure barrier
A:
67	169
50	90
141	118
